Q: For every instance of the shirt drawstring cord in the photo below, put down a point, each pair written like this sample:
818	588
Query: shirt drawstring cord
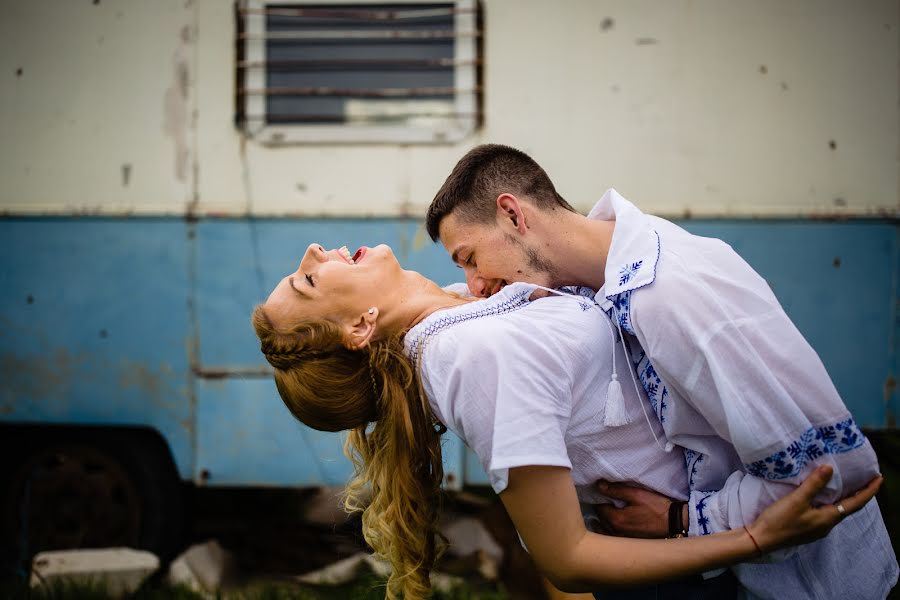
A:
614	412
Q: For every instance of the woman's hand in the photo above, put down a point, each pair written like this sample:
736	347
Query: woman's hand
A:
793	520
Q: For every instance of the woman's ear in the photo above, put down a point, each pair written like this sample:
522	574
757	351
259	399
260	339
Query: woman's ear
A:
360	331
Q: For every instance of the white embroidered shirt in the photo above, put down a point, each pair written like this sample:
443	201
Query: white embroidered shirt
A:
747	399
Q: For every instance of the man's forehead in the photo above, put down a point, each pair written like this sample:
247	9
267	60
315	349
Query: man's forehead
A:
455	231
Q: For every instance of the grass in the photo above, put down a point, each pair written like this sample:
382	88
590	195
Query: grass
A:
363	588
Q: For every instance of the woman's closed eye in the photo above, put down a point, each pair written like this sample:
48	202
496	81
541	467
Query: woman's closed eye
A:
309	279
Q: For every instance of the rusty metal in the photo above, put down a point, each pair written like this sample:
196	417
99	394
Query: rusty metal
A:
240	53
364	15
422	92
298	118
243	372
375	34
73	496
357	62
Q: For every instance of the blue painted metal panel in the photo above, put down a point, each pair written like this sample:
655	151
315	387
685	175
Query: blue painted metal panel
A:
230	280
246	436
94	325
105	337
836	282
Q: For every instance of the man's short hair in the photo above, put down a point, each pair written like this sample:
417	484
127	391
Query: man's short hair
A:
481	176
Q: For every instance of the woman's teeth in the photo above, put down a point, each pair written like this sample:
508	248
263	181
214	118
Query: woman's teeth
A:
346	254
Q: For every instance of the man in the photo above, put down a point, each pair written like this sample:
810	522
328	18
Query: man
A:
734	384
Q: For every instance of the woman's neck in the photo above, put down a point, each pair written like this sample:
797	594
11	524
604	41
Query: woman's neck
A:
418	298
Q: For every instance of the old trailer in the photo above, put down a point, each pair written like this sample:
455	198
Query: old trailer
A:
164	163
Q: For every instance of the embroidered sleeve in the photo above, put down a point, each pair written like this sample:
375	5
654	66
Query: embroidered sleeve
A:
733	360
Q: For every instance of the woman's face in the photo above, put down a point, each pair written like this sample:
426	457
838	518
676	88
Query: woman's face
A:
334	285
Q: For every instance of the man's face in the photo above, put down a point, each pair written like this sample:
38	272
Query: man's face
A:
492	255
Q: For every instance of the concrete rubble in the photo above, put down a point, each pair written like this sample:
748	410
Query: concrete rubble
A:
119	570
204	568
468	537
352	567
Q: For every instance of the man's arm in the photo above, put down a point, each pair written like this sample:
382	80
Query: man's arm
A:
742	367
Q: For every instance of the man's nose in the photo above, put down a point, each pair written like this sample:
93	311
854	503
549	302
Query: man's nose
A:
477	285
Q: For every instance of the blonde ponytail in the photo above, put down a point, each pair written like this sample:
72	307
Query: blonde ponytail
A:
393	440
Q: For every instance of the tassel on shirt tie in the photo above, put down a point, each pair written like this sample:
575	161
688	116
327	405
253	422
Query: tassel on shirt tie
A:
614	415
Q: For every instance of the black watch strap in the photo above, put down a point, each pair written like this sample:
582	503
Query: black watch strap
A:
677	527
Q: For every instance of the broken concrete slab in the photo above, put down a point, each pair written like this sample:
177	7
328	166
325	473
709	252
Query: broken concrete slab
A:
119	570
351	567
205	567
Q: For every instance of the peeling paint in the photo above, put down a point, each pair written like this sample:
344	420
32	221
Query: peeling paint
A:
176	107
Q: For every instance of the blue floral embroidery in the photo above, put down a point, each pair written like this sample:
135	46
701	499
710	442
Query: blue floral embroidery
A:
578	290
702	519
584	292
628	271
654	386
657	393
414	345
622	311
692	462
813	443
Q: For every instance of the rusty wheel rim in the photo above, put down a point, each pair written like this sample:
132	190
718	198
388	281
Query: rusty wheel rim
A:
76	496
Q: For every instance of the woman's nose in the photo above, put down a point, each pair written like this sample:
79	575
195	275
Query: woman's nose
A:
314	252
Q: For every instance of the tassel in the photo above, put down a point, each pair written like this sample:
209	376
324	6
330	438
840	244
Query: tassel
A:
615	414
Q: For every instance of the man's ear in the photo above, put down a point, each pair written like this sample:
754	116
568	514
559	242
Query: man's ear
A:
509	210
361	331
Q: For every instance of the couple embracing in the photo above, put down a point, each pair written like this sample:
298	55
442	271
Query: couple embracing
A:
615	347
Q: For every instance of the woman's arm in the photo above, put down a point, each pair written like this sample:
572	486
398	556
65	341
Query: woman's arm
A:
542	503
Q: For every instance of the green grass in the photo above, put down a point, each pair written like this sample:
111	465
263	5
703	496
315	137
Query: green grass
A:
363	588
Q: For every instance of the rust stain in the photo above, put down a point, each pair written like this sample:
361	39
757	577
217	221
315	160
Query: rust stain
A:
137	375
187	424
44	377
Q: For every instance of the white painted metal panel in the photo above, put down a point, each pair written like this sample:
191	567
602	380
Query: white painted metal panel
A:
713	107
97	106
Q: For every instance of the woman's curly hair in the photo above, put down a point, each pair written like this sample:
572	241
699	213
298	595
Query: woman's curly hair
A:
394	442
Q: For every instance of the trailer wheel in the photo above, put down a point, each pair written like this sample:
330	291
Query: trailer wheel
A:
91	490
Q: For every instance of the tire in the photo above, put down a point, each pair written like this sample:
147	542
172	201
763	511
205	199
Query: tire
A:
88	488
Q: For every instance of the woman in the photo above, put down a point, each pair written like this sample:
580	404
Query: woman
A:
348	337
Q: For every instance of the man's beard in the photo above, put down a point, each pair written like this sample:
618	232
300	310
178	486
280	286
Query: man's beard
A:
537	263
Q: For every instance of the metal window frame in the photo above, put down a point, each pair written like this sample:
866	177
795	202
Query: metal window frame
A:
252	51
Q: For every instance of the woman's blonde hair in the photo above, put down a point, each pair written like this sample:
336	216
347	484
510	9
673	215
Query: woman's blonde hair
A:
393	441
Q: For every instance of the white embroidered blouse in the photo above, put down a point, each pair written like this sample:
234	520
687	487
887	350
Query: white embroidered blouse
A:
746	398
524	383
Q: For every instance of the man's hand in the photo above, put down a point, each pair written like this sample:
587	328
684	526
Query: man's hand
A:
645	514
